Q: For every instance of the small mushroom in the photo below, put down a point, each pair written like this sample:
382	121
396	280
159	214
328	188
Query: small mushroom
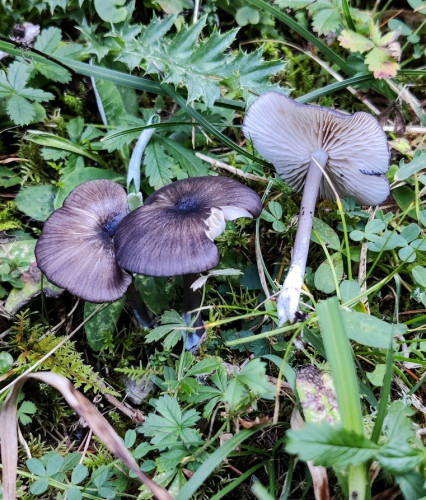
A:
75	250
173	233
311	146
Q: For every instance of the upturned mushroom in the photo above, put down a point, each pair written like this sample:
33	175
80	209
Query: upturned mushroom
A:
173	233
310	147
76	250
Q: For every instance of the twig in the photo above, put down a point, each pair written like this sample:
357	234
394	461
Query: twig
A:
362	272
410	129
196	10
234	170
87	440
135	415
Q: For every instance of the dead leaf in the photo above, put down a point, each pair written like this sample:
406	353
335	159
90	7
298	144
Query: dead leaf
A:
81	405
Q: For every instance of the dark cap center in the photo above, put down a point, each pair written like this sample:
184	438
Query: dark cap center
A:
110	225
188	203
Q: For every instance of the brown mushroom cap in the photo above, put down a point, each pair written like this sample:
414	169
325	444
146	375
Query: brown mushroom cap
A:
172	233
75	250
286	133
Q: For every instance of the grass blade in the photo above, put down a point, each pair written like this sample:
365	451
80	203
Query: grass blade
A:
212	462
208	126
384	397
348	17
339	356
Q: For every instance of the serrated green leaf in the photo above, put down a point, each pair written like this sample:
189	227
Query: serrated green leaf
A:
171	425
26	409
330	446
48	40
187	160
18	75
206	365
412	483
355	42
157	165
327	20
20	110
253	375
381	64
112	102
251	74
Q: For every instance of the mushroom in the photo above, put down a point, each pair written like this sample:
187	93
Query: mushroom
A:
311	147
76	250
173	233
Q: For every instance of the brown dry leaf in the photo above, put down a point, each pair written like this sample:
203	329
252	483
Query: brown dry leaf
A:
82	406
249	424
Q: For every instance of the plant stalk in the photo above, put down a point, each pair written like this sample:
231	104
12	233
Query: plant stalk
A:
288	300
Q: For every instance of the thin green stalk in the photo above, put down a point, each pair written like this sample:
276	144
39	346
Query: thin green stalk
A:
346	238
206	469
236	482
384	397
208	126
334	87
281	372
287	483
340	358
257	241
347	14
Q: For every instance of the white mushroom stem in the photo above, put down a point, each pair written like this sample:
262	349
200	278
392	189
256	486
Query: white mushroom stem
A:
288	300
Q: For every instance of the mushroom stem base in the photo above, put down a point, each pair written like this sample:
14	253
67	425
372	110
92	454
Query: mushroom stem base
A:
191	301
288	300
137	304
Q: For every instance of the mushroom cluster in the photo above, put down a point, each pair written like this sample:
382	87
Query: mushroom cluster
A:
91	244
172	233
312	148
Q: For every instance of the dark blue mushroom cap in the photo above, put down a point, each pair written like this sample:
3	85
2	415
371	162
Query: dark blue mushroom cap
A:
173	232
75	250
